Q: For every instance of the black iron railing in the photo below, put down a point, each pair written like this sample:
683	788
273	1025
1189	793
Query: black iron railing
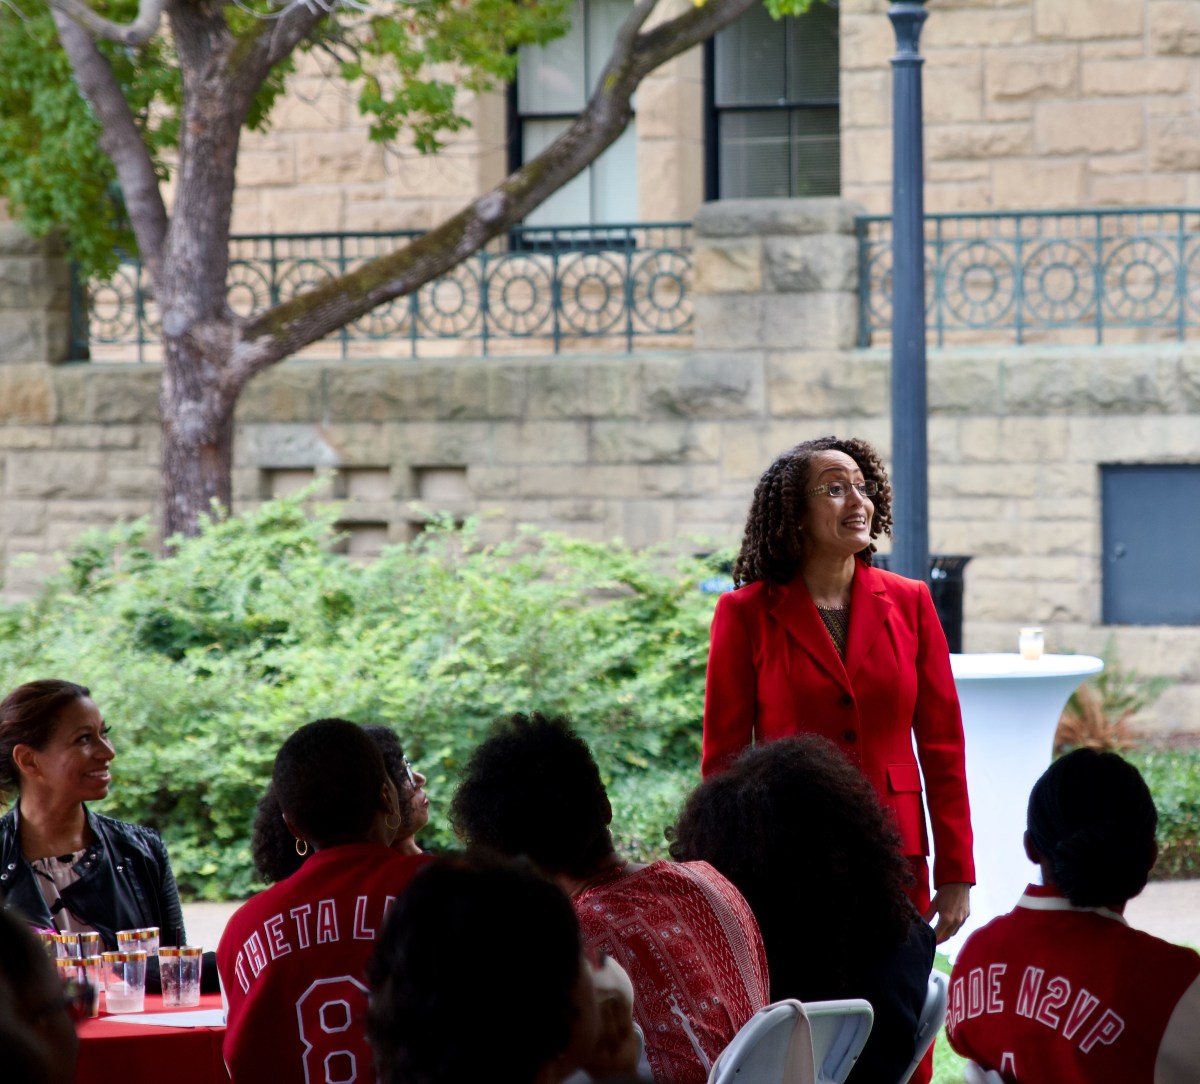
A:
1029	275
562	287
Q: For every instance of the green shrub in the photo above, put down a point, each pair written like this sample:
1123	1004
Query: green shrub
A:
203	661
1173	776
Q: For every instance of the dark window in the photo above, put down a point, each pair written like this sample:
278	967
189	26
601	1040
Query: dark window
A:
773	114
552	86
1150	521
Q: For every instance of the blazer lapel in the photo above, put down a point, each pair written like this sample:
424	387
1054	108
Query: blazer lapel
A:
869	607
793	608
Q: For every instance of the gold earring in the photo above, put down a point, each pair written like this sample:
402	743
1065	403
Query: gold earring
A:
388	822
301	847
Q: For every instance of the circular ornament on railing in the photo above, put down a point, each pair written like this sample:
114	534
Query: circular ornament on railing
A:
1191	267
592	289
247	288
112	307
520	293
386	321
1139	280
448	307
300	276
978	283
1058	282
661	301
879	281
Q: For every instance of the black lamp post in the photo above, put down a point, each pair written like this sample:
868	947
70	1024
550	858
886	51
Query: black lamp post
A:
910	464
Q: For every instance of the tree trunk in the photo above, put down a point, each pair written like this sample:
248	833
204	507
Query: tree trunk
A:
197	437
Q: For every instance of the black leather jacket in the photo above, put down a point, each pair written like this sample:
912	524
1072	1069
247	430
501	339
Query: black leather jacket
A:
126	880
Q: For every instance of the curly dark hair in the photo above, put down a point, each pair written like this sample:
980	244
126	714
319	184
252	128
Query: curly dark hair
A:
532	788
27	717
274	848
801	833
1092	820
771	547
442	949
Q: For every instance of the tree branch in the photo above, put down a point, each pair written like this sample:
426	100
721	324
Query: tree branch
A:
138	32
292	325
119	138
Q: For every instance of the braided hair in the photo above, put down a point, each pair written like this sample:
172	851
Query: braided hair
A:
1092	820
771	547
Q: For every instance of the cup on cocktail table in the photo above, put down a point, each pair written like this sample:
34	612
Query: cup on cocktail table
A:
89	944
49	941
91	971
144	938
66	946
179	971
1031	642
124	981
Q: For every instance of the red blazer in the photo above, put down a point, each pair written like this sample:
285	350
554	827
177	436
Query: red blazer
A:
773	672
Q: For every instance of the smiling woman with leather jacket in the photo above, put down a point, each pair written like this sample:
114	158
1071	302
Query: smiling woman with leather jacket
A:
63	866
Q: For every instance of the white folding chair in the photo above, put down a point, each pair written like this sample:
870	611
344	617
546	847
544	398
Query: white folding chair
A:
839	1032
933	1016
773	1047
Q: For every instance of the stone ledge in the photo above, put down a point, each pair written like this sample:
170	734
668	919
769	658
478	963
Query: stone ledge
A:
776	217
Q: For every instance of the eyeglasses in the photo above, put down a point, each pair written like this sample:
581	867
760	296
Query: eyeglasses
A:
840	490
408	773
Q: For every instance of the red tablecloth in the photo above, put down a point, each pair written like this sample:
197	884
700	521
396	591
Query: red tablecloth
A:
135	1053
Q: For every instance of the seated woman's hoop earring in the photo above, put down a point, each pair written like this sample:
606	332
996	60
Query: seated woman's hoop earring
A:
387	821
301	847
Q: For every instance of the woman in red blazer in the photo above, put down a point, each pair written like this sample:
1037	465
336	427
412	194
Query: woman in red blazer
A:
816	640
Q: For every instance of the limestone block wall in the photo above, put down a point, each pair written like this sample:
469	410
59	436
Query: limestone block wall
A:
1032	103
662	447
651	448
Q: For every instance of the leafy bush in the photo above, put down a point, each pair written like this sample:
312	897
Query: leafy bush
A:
1173	776
203	661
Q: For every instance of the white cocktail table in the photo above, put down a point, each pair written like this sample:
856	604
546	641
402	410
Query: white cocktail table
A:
1010	709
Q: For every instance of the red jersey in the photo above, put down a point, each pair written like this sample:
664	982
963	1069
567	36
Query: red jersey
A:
292	963
691	947
1056	994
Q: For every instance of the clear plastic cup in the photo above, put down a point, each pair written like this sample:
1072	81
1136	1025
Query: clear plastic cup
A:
179	970
144	938
49	942
124	981
66	946
67	968
89	944
91	970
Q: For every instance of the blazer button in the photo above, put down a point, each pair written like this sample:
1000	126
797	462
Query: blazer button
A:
847	700
850	735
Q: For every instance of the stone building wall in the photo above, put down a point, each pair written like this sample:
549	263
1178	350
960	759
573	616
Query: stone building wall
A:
662	447
1032	103
1028	104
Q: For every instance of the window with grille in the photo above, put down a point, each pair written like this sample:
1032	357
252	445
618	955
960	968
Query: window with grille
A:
552	86
773	106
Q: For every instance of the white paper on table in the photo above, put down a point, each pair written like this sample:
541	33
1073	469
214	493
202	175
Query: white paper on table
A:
200	1018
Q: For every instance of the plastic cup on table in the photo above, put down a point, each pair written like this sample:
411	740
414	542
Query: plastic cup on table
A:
89	944
66	946
1031	642
179	971
124	981
49	942
91	970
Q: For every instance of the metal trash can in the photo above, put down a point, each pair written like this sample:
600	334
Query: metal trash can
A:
946	587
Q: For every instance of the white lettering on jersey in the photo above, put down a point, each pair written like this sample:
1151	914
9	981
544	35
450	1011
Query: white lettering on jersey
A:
362	932
300	917
275	939
327	925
